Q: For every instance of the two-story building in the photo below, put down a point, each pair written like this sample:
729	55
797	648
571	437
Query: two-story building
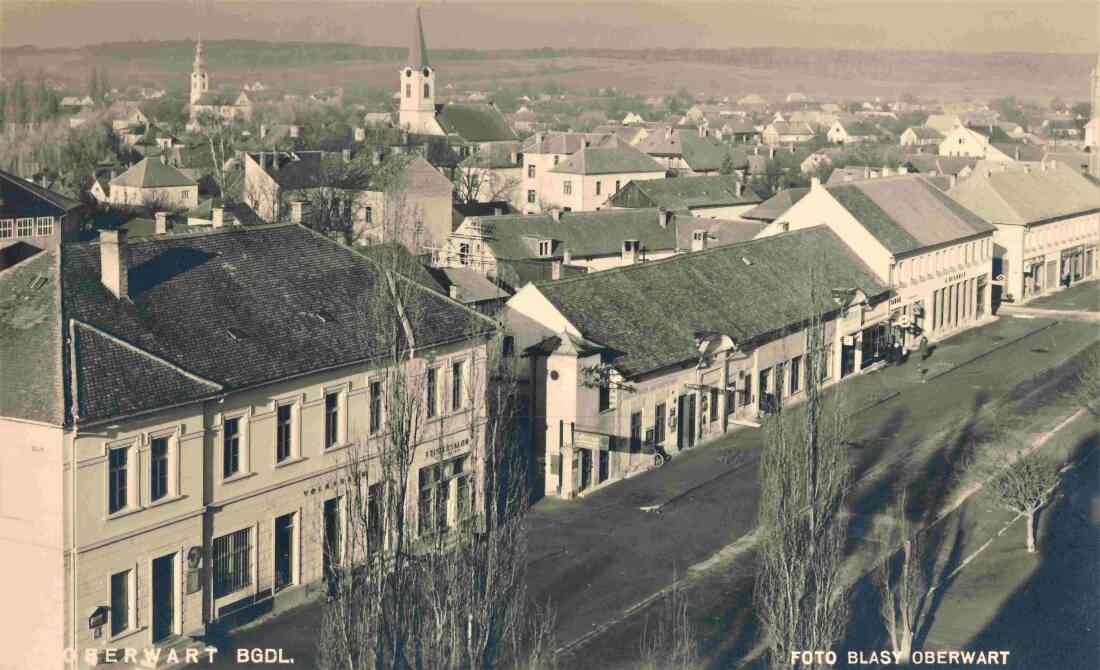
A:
177	415
655	357
935	254
1047	218
587	179
541	153
33	218
153	183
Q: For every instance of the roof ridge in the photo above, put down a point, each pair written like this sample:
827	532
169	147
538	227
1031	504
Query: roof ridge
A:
224	230
138	350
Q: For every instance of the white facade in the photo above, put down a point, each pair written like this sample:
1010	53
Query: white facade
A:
966	143
586	193
1043	257
171	197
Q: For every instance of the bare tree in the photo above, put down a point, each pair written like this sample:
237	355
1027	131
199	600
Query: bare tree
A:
669	642
221	141
1087	387
481	184
903	585
1024	483
805	480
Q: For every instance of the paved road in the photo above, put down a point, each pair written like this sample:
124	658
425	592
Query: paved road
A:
597	556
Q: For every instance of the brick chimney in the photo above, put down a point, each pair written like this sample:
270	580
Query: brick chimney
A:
360	134
698	240
452	292
296	211
162	223
738	188
771	151
702	131
815	183
555	270
294	130
555	214
217	216
114	262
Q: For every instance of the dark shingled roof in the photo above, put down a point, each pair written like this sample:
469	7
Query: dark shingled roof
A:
19	197
747	291
474	122
609	158
774	207
685	193
268	285
31	386
583	233
151	173
907	213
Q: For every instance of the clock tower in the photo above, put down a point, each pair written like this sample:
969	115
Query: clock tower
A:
200	80
417	87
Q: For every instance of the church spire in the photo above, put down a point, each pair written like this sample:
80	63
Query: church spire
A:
418	50
198	54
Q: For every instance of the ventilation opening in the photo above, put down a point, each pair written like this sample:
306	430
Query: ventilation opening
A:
236	333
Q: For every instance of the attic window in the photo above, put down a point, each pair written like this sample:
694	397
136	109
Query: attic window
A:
236	333
745	260
324	316
38	282
545	247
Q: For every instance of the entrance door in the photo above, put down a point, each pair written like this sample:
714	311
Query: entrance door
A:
690	416
284	551
164	597
331	550
681	420
635	432
848	359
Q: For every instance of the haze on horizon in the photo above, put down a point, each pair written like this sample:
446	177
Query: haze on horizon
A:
1037	26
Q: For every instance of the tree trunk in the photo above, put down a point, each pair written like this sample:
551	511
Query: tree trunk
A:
1031	531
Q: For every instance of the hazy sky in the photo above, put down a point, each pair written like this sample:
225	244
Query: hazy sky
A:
1065	26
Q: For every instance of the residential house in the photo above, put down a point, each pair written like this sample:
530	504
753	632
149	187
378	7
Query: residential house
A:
1047	219
586	180
152	183
943	123
852	173
957	167
33	218
714	197
970	143
921	136
652	359
175	442
779	132
853	132
775	206
741	132
492	175
687	152
934	253
541	153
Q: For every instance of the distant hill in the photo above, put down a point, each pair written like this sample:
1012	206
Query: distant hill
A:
765	70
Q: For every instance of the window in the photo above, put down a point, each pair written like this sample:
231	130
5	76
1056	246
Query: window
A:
659	423
232	559
231	447
158	469
408	90
556	159
24	227
374	517
117	480
545	247
464	253
427	90
617	182
368	215
567	187
375	407
43	226
605	398
598	186
826	363
530	199
746	391
765	375
332	419
456	386
433	391
796	374
530	173
434	500
7	228
284	418
120	602
508	346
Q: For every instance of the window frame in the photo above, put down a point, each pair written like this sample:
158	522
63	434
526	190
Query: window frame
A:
374	401
130	503
284	432
131	601
531	197
218	586
431	390
24	223
43	226
243	451
7	229
335	426
458	384
154	474
531	171
567	187
796	374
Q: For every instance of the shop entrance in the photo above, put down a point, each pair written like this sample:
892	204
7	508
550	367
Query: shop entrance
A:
284	551
685	421
164	597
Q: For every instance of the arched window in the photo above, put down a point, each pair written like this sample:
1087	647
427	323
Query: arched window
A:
427	90
408	90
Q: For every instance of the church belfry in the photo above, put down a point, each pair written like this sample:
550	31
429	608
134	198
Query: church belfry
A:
417	87
200	80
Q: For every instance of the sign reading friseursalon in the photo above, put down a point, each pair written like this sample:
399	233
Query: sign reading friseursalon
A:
448	449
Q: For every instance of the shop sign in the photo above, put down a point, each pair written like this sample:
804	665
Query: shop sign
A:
593	441
448	448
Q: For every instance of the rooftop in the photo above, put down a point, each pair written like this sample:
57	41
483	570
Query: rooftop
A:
1020	196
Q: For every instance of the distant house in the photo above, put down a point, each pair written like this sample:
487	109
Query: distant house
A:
852	133
71	102
632	118
921	136
944	123
815	161
969	143
741	132
780	132
715	197
151	183
593	174
958	167
688	152
751	100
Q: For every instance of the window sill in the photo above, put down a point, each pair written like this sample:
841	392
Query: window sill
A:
165	500
124	512
129	632
236	477
290	461
334	448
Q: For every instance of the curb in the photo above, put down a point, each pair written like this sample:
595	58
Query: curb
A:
1000	345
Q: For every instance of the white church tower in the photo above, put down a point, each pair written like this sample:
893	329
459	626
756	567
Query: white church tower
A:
200	80
417	111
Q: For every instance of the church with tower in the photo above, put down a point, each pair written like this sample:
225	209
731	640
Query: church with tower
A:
420	114
203	101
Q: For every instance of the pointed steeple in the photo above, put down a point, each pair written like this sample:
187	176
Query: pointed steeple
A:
418	50
198	54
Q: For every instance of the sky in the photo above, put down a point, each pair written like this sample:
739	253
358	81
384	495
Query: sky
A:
1042	26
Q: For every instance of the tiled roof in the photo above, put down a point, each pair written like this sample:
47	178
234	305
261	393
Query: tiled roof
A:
949	165
472	285
648	314
907	213
517	273
420	178
217	99
719	232
700	153
784	128
609	158
234	308
474	122
461	210
293	170
583	233
774	207
685	193
926	133
1019	196
151	173
19	197
559	143
31	341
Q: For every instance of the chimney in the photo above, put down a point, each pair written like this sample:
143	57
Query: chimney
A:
866	172
1043	163
738	188
815	184
951	181
452	292
296	211
555	270
539	137
566	256
263	130
1017	152
698	240
668	133
702	131
771	151
360	134
294	132
630	251
756	150
555	214
217	216
497	211
162	223
114	262
347	155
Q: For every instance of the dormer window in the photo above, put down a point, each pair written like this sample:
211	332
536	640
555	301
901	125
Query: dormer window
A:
545	248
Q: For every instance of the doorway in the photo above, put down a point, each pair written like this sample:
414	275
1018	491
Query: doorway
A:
333	541
164	597
284	551
685	425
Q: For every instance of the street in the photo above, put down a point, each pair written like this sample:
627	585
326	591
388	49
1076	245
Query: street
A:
596	557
